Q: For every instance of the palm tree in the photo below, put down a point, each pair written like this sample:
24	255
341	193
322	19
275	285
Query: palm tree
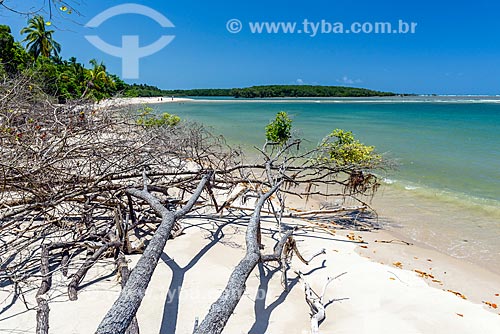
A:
40	41
77	71
97	79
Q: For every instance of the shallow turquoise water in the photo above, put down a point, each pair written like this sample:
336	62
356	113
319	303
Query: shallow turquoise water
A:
446	191
451	147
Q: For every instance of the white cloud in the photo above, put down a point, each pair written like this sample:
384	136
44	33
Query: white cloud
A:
348	81
303	82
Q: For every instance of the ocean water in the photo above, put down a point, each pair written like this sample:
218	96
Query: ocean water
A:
447	148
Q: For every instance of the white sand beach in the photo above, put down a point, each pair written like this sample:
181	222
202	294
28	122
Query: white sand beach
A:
370	297
129	101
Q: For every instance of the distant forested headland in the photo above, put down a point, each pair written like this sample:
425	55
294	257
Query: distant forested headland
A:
259	91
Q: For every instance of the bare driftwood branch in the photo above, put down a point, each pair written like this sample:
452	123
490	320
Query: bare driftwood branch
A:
316	302
123	311
65	262
223	308
42	313
91	260
283	252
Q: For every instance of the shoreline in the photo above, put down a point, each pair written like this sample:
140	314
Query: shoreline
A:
441	226
129	101
439	270
397	218
402	215
393	246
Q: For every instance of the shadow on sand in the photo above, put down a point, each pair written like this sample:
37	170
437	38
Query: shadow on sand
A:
263	313
171	307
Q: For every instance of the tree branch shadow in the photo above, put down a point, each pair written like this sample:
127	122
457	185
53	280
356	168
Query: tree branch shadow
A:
263	313
171	306
15	297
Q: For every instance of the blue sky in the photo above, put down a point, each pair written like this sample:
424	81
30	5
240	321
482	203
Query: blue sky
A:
455	50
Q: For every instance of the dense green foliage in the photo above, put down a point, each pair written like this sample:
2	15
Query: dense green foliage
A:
280	91
200	92
40	40
148	119
13	57
259	92
279	131
305	91
63	79
340	147
142	90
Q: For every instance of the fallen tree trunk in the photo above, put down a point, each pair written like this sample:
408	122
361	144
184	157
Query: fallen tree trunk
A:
223	308
123	311
42	312
124	274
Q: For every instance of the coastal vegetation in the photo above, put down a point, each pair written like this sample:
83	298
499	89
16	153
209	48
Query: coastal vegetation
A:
273	91
279	131
340	147
62	80
148	118
143	90
282	91
39	40
305	91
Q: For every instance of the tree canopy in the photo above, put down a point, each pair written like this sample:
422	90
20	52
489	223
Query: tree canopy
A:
341	148
64	80
305	91
39	39
271	91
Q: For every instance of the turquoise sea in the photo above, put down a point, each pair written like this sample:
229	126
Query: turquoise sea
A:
447	149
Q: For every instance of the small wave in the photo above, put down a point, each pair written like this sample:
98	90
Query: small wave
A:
388	181
489	207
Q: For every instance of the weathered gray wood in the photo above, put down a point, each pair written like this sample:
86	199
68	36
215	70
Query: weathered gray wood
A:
124	273
316	302
80	274
281	254
223	308
65	262
278	249
123	311
42	312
